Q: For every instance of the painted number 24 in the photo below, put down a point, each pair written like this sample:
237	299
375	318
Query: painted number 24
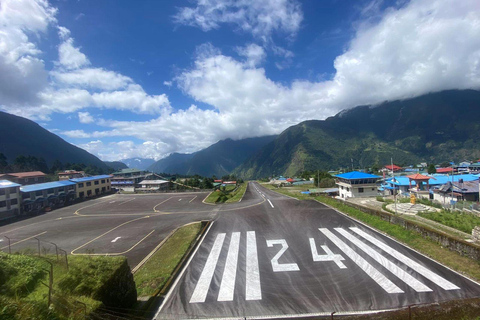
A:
281	267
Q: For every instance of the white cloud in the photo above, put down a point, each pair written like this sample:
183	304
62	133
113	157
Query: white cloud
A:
71	57
94	78
253	53
168	83
85	117
261	18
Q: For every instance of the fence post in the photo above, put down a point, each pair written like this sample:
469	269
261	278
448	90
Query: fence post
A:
66	259
38	240
331	314
56	249
9	247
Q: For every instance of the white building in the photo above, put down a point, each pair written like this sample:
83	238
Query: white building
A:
356	184
9	199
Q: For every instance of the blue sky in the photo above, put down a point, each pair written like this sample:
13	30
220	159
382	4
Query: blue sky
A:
144	79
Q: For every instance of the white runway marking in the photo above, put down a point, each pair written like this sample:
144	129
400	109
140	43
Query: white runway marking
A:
125	201
443	283
230	272
179	199
373	273
112	202
192	199
203	284
252	285
329	256
277	267
393	268
270	203
115	240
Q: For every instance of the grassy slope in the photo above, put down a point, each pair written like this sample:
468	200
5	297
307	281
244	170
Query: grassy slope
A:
228	196
153	275
23	296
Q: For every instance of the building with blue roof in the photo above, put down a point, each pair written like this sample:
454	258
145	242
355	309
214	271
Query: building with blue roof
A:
9	199
38	196
93	186
356	184
402	183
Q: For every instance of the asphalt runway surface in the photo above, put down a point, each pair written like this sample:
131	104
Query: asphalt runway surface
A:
279	257
119	224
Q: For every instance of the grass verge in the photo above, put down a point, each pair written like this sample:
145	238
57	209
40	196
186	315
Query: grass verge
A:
154	274
461	221
228	195
77	292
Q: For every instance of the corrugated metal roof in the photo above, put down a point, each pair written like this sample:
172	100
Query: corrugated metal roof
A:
46	185
153	182
27	174
439	179
8	184
356	175
85	179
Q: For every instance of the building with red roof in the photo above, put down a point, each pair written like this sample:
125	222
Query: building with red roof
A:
393	168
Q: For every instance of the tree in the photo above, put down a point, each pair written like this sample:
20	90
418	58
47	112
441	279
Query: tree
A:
431	169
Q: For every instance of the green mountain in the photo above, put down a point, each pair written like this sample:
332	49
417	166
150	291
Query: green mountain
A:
116	165
20	136
435	127
219	159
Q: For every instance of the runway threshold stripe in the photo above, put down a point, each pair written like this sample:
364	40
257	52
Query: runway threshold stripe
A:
393	268
227	285
443	283
203	284
253	290
373	273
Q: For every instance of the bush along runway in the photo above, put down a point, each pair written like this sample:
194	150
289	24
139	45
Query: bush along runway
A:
285	258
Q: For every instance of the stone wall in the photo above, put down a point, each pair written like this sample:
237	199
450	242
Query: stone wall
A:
476	234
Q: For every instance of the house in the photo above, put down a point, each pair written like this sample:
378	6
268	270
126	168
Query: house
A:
393	168
153	185
25	178
457	191
70	174
356	184
128	179
36	197
92	186
445	170
474	168
9	199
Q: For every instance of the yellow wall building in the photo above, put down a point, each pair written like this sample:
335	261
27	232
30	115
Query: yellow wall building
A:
93	186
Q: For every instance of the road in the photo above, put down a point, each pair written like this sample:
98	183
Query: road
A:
279	257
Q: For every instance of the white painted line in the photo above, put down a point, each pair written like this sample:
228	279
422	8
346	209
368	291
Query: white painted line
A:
180	199
443	283
283	267
373	273
112	202
393	268
329	256
227	285
270	203
192	199
115	240
125	201
203	284
253	290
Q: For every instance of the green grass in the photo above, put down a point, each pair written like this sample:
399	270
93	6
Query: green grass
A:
227	195
23	296
461	221
154	274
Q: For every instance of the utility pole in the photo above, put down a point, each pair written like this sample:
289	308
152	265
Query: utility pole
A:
394	187
318	179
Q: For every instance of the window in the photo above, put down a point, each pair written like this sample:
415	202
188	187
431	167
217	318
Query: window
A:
13	190
97	191
36	179
39	193
89	184
103	180
2	192
80	185
26	180
348	189
50	191
108	188
3	204
81	194
96	182
360	190
373	189
13	202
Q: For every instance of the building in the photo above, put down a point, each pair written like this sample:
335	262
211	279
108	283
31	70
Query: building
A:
9	199
25	178
458	191
356	184
70	174
153	185
128	179
92	186
39	196
393	168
